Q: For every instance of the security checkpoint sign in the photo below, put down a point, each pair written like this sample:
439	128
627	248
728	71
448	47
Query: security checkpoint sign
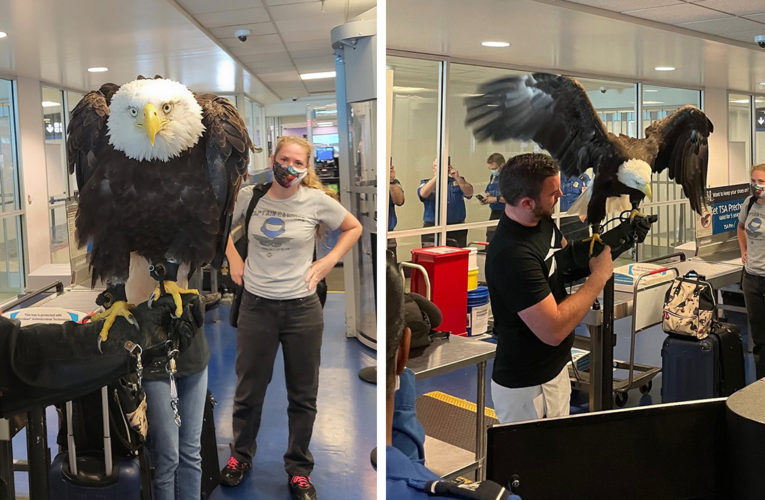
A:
726	203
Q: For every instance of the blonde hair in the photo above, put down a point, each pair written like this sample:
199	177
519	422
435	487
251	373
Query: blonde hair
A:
311	180
761	166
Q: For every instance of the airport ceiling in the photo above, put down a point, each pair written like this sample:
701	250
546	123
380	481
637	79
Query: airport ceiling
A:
191	41
710	43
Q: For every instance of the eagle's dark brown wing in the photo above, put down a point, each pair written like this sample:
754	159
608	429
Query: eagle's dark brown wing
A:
227	152
680	142
553	111
87	133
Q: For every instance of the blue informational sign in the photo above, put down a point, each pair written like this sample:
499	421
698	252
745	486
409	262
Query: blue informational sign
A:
725	203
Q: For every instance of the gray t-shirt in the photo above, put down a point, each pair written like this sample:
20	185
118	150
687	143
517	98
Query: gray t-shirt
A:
282	237
755	237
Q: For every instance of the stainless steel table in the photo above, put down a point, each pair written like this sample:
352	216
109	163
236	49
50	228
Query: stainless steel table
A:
444	356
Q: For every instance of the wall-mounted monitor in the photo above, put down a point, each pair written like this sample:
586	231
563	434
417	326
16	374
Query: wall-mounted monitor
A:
325	154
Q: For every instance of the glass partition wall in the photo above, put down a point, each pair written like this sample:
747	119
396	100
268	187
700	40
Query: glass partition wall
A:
11	210
428	134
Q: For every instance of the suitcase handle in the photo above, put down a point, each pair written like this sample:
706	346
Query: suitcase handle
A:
71	447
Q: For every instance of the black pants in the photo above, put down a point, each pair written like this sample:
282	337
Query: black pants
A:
456	238
754	296
264	324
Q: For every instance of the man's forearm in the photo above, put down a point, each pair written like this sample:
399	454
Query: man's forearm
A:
574	307
465	186
396	194
427	189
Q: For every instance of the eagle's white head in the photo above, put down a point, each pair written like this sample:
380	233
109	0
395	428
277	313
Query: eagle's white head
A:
154	119
636	174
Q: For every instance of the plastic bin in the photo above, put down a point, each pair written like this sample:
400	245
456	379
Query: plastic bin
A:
478	311
447	268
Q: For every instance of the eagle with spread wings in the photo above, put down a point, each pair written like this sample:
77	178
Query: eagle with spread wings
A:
555	112
158	169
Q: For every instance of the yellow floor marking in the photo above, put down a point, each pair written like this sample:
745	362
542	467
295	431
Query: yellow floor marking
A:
460	403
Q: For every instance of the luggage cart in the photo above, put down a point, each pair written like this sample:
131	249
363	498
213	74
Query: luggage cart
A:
647	310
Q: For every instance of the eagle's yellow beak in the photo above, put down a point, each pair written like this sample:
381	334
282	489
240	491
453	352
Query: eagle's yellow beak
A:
151	121
647	192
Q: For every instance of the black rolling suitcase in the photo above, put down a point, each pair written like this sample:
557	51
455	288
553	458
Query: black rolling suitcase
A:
706	368
210	465
94	476
732	376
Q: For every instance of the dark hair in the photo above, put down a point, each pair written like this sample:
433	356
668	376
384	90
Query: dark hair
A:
394	327
497	159
523	176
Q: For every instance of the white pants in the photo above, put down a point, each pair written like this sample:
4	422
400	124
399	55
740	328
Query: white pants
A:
551	399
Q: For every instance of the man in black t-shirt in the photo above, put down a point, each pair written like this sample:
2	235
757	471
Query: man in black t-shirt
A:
527	264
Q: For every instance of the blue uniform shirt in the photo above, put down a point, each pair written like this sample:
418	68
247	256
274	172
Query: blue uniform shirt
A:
455	204
493	189
572	187
408	433
407	480
392	219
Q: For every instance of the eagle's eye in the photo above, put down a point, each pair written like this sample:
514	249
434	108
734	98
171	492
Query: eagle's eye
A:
167	107
133	111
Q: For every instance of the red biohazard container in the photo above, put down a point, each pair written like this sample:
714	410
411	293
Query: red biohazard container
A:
447	269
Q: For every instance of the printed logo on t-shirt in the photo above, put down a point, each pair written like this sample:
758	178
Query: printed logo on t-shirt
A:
551	253
272	227
755	223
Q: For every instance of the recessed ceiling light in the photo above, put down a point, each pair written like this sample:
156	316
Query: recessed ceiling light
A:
740	101
49	104
324	124
495	44
653	102
664	68
3	34
762	83
649	90
98	69
317	76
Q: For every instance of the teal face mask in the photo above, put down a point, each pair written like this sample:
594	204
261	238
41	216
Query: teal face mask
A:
757	190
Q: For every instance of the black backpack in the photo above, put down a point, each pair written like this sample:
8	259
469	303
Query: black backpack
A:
421	316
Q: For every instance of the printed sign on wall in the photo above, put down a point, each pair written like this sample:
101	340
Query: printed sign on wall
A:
725	203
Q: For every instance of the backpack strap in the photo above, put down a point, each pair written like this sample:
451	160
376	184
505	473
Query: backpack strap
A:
257	193
752	201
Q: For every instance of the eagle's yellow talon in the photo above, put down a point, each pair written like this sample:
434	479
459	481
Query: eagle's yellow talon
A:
119	308
636	213
592	239
173	289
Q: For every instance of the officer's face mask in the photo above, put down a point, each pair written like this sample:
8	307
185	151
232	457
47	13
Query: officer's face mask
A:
288	175
757	190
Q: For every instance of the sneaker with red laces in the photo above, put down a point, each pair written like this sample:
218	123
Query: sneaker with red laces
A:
301	488
233	473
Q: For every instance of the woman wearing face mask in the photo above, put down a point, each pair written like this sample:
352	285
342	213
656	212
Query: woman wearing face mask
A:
280	306
751	240
492	197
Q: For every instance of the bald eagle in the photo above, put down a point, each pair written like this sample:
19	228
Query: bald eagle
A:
555	112
158	169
